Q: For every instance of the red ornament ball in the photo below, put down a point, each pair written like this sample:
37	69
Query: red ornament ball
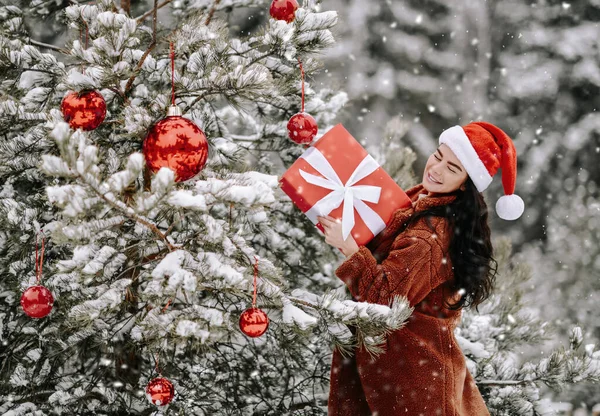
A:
160	391
85	110
37	301
284	10
302	128
177	143
254	322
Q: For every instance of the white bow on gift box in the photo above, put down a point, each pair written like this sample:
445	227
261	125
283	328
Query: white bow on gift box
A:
352	196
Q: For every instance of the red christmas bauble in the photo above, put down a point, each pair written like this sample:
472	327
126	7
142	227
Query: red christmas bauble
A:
284	10
302	128
160	391
85	110
37	301
177	143
254	322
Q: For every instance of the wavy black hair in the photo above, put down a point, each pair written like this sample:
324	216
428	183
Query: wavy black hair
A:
470	248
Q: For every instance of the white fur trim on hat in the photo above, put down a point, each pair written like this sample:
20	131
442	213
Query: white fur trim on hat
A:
456	139
510	207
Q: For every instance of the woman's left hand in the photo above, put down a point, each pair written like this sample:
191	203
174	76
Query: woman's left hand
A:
333	235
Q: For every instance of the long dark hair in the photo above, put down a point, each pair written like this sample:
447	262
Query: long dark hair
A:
470	248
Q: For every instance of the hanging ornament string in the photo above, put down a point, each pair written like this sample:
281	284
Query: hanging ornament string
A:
302	73
175	142
81	38
87	33
84	108
80	30
172	73
255	276
37	300
302	127
86	36
254	322
159	390
156	367
39	258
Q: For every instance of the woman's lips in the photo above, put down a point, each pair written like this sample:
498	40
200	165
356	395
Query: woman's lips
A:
432	179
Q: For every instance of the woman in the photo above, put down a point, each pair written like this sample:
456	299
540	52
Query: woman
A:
438	254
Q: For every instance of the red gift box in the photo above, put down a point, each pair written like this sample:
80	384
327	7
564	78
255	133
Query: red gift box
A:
337	177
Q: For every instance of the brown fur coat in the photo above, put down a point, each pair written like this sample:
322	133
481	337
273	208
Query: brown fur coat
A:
422	371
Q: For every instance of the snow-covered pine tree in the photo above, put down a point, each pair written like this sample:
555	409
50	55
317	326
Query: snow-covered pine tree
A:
148	273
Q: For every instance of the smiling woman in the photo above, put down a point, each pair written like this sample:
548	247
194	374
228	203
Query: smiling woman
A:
437	254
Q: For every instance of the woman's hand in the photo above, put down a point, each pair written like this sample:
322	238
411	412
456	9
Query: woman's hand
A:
333	235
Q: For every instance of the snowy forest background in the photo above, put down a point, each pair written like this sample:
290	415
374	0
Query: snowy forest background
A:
396	75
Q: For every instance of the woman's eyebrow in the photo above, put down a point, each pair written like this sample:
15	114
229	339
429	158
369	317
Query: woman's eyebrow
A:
453	164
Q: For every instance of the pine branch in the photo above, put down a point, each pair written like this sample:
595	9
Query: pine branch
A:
48	46
303	303
318	399
212	12
198	98
126	6
148	13
504	382
129	214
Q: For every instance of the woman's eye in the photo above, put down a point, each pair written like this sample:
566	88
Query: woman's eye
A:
448	166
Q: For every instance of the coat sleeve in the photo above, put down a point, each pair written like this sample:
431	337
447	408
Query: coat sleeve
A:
411	269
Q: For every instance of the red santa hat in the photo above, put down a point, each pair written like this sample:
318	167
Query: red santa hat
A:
483	148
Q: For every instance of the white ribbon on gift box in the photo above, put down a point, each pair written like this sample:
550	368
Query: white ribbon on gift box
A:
352	196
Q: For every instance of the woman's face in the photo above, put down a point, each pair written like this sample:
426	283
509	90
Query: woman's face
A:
443	172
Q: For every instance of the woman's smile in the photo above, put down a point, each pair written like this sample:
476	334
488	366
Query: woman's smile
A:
432	179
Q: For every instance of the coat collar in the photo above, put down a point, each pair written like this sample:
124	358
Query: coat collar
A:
426	202
400	216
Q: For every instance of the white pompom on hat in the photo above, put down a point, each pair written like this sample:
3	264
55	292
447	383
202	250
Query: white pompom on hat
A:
483	148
